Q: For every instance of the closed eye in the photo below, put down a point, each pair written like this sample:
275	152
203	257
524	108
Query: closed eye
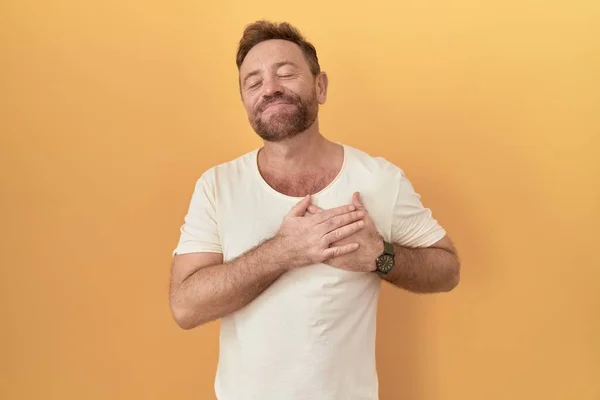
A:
254	85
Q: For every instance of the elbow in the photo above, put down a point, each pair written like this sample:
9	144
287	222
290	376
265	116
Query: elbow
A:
452	277
451	282
184	318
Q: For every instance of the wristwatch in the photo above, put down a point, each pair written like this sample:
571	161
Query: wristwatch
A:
386	261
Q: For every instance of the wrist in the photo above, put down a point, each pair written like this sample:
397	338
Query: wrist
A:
386	260
378	250
282	255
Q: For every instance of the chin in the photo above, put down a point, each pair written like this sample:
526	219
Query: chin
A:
278	136
278	128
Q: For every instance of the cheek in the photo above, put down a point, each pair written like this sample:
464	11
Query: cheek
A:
306	92
249	104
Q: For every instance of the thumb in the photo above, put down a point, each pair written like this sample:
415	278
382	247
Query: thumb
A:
357	201
300	208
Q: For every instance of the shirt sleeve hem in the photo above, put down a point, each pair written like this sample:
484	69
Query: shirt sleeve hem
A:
196	249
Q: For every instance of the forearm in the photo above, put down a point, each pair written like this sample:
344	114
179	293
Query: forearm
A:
215	291
425	270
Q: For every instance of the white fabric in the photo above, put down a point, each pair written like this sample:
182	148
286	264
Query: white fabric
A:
311	334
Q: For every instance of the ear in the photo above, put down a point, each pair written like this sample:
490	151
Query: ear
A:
240	87
321	82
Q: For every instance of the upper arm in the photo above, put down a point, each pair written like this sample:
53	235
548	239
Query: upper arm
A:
413	224
199	241
200	231
445	244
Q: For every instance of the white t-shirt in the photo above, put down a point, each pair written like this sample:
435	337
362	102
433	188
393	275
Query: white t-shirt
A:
311	334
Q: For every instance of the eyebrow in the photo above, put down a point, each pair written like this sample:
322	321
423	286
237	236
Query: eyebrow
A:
276	66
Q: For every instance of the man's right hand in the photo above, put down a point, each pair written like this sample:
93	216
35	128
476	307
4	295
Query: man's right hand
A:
306	237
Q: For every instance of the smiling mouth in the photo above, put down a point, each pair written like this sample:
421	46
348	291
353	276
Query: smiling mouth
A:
277	104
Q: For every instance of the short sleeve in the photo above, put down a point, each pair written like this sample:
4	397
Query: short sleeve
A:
413	224
199	232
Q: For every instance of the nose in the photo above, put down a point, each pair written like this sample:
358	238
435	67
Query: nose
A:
272	87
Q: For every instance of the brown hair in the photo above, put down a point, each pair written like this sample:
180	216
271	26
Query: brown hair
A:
260	31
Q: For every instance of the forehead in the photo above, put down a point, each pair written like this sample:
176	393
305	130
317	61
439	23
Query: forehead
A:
269	52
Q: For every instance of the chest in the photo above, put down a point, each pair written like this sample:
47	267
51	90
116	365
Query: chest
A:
249	215
299	185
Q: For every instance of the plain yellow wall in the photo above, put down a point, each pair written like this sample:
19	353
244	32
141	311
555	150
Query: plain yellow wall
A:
110	110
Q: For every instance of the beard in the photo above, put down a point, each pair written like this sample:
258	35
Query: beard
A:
286	122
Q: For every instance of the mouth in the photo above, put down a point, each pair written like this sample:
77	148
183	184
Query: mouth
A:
277	104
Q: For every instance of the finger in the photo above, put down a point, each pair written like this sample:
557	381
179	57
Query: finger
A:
300	208
357	201
313	209
343	232
337	251
333	212
339	221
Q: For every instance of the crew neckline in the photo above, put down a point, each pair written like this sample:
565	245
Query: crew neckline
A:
269	188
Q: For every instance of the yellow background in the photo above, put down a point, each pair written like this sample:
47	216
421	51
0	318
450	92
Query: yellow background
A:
110	110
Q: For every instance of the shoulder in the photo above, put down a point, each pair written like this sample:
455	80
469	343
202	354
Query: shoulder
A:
229	170
373	164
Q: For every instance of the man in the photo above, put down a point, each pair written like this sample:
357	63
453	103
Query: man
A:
288	244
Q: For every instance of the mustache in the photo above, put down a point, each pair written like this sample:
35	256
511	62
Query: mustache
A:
280	98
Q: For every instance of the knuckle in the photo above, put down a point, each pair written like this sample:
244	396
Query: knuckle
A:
330	224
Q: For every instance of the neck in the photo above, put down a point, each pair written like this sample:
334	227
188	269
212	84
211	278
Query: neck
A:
304	152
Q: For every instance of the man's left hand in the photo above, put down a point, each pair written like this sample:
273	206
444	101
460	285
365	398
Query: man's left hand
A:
369	240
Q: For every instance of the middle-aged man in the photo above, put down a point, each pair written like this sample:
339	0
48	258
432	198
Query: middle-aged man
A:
288	243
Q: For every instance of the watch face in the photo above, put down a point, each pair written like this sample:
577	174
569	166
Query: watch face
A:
385	263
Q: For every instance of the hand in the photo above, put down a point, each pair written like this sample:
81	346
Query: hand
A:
369	240
308	238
